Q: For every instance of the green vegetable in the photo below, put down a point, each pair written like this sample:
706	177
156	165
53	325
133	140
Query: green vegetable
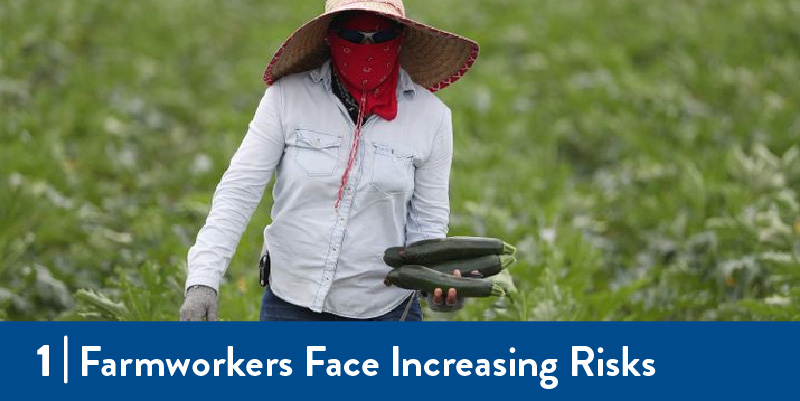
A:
425	241
415	277
453	248
486	266
392	256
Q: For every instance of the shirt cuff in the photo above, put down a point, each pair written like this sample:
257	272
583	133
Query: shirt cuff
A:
202	280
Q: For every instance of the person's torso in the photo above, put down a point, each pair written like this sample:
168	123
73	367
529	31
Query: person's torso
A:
326	258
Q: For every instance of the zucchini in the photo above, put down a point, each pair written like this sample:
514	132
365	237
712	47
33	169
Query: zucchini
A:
392	256
425	241
415	277
443	249
486	266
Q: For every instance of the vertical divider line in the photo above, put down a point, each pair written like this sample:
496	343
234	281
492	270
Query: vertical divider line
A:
65	360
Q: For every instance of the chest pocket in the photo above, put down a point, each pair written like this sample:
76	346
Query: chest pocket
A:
393	170
317	153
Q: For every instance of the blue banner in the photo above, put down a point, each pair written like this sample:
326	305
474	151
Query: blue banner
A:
472	361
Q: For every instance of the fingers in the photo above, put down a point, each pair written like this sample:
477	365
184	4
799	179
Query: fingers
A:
212	312
451	297
185	313
191	316
437	296
197	313
451	293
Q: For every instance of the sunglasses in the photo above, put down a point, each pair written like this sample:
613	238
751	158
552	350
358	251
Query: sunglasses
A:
362	37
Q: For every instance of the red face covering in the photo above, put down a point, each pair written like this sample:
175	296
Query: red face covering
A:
370	67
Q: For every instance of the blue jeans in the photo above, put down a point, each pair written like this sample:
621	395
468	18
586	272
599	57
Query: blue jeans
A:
276	309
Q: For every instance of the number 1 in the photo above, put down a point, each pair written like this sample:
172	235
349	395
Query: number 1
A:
45	353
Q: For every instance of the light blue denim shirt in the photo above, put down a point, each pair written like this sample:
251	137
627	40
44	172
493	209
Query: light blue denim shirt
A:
323	258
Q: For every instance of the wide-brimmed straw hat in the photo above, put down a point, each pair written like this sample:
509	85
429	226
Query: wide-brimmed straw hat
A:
433	58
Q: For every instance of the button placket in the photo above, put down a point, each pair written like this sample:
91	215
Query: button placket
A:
339	229
343	213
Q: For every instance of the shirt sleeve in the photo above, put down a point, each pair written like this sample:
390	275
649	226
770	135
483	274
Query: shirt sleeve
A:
238	193
429	209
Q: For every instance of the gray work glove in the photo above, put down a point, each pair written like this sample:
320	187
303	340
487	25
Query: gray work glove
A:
200	302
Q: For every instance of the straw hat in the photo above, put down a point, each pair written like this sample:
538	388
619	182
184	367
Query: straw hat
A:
434	58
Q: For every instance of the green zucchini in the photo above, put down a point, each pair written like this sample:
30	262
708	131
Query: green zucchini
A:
453	248
485	266
425	241
415	277
392	256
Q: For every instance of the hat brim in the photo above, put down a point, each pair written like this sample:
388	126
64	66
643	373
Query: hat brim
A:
433	58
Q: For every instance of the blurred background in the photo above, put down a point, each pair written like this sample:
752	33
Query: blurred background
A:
642	155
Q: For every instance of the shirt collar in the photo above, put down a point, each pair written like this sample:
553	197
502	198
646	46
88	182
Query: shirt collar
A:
405	84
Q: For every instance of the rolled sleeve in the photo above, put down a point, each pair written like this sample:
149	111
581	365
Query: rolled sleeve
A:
238	194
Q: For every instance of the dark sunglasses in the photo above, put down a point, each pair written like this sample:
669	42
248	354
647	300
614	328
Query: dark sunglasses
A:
362	37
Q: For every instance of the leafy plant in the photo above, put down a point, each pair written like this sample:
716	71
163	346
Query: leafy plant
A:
646	169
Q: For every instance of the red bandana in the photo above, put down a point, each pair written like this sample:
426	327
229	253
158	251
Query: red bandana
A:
371	67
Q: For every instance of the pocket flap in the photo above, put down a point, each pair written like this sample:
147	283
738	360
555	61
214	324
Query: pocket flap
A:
317	140
399	152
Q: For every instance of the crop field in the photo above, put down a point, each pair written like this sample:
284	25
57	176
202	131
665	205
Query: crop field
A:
643	155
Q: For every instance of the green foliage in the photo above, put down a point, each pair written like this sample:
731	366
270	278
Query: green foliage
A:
149	293
642	155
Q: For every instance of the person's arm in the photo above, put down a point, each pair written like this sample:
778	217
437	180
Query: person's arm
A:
237	196
429	211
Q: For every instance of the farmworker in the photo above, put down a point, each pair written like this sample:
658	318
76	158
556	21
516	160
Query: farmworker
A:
361	149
